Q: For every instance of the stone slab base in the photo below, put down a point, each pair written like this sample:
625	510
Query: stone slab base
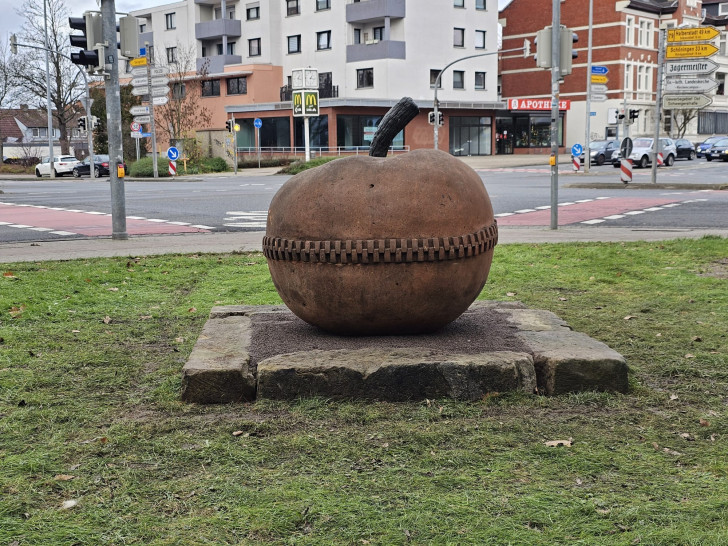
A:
265	351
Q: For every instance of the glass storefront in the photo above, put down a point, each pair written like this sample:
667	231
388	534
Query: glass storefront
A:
275	133
354	131
470	135
318	132
525	131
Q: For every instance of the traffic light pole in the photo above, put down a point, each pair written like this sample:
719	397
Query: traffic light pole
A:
51	171
555	76
113	120
587	139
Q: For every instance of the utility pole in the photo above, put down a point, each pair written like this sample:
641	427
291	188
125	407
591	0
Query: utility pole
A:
113	119
47	44
587	139
555	76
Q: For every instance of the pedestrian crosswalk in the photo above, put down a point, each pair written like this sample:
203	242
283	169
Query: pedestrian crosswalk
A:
246	219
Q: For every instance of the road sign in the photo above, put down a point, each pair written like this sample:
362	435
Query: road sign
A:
598	97
139	91
136	134
626	147
599	79
680	102
135	126
153	71
139	61
576	150
146	135
698	66
143	119
159	80
598	88
690	84
160	101
692	34
258	123
139	110
172	153
690	51
592	114
602	70
140	80
160	91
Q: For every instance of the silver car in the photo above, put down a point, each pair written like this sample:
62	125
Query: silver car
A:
642	151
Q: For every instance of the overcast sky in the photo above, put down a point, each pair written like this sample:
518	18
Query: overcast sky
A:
10	22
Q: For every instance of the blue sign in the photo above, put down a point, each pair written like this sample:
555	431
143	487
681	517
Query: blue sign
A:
146	135
142	51
576	150
592	114
600	70
258	123
172	153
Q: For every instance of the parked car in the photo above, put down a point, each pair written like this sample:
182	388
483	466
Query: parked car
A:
101	167
601	151
685	149
718	150
707	143
61	165
642	149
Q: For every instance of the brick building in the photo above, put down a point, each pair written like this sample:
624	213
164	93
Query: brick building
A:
624	39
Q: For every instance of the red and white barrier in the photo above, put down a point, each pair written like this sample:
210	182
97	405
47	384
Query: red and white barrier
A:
626	170
660	159
172	168
575	162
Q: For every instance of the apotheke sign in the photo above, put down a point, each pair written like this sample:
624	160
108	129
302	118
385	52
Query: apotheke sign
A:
536	104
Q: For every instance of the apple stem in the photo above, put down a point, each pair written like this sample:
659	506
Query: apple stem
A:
392	123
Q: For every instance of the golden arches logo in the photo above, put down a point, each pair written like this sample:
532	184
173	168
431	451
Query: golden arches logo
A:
311	99
297	100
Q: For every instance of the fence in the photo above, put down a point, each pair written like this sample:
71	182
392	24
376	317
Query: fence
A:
316	151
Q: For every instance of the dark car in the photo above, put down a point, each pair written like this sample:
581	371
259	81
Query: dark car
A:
685	149
701	148
719	150
101	167
601	151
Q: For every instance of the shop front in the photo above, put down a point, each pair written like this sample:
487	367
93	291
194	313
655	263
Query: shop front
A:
525	128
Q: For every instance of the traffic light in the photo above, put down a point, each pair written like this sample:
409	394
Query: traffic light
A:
129	36
526	48
82	123
568	39
229	125
13	44
94	122
440	118
633	115
621	115
90	41
543	48
431	118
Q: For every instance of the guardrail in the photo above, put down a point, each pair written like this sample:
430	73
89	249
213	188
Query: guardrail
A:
316	151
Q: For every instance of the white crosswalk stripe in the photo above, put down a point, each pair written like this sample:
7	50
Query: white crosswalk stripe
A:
246	219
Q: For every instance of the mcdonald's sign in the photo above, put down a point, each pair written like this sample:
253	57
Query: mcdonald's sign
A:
305	103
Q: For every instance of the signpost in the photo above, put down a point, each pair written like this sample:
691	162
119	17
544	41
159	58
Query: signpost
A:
690	85
692	34
698	66
139	110
576	151
676	102
305	98
172	155
689	51
596	78
602	70
258	123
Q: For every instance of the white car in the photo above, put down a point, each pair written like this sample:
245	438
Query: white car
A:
643	150
61	165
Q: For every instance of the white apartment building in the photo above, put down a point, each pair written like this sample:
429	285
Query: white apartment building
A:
368	53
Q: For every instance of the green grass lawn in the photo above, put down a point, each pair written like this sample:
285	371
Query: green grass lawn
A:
96	448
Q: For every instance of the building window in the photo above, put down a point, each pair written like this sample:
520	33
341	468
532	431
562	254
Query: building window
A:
179	90
142	29
358	131
628	69
323	4
458	37
459	3
433	78
323	40
237	86
171	55
254	47
479	39
170	21
364	78
357	35
723	8
230	13
480	4
231	48
211	88
294	44
629	25
253	13
40	131
646	32
379	33
480	80
219	48
292	7
458	79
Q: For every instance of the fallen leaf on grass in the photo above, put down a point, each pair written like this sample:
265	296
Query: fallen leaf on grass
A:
63	477
75	331
563	299
192	310
687	436
671	452
15	312
145	317
239	433
510	294
559	443
674	397
629	317
113	289
69	504
690	355
697	338
9	275
704	423
179	339
107	319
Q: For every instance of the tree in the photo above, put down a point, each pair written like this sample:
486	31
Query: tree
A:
66	89
98	109
682	118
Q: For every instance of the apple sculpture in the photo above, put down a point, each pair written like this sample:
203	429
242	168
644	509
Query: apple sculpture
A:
382	246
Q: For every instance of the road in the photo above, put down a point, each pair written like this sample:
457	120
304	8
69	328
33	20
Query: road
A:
42	210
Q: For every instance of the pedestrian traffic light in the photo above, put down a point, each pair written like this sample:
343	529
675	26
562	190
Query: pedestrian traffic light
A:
13	44
229	125
633	115
129	36
543	48
90	41
621	115
568	39
440	118
82	123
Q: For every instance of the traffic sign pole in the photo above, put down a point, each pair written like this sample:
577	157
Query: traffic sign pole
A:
658	102
590	68
258	123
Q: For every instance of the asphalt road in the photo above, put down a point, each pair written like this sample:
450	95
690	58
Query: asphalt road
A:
44	210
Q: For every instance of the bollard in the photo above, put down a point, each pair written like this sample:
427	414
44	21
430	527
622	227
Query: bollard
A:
172	168
660	159
626	170
575	162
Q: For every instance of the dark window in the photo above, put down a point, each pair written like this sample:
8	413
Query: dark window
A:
458	37
231	48
379	33
292	7
323	4
237	86
480	80
178	90
252	13
479	4
254	47
318	132
294	44
171	55
170	21
433	78
142	28
354	131
357	35
458	79
211	88
323	40
364	77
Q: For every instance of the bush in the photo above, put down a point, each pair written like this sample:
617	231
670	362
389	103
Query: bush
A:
214	165
299	166
144	168
252	163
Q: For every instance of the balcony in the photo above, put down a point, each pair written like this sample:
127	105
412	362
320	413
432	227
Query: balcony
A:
372	10
210	30
216	64
375	49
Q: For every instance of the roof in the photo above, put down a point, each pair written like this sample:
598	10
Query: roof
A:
654	6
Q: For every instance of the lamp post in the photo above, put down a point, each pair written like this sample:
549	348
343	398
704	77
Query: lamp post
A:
48	91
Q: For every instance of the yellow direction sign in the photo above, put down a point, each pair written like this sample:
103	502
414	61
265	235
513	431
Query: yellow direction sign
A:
692	34
690	51
595	78
139	61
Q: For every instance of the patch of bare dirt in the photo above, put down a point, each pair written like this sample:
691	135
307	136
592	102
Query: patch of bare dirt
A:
717	269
